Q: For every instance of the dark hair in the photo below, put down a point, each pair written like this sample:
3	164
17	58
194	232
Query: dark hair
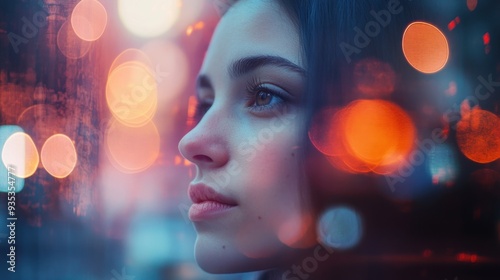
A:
323	25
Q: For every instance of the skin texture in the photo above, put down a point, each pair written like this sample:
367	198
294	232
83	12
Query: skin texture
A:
246	148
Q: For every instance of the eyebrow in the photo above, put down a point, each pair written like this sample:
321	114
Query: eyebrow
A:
246	65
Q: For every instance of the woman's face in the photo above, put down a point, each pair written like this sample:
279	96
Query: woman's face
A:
250	208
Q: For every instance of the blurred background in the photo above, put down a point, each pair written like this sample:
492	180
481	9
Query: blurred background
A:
95	95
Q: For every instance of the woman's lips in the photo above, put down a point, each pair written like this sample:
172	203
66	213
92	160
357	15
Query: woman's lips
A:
207	203
208	209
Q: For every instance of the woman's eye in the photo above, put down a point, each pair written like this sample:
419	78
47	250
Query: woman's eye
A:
263	98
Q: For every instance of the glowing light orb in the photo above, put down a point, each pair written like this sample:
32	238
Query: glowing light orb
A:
425	47
130	55
192	28
59	156
324	132
452	89
471	5
41	121
365	136
478	135
188	15
191	112
19	151
9	181
89	19
70	44
486	38
149	18
132	93
378	132
340	228
132	149
171	70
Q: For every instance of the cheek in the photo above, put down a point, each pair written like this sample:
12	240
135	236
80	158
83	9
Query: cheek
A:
271	166
271	189
271	169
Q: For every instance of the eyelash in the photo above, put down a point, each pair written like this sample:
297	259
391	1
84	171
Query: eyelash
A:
254	87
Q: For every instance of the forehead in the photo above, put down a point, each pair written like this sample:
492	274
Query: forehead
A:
253	27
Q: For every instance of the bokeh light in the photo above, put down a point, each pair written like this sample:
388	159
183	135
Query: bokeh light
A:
199	25
171	69
130	55
324	132
486	38
374	78
131	93
378	132
190	14
425	47
70	44
340	228
20	152
191	111
41	121
132	149
452	89
5	132
471	5
365	136
478	135
149	18
59	155
452	24
89	19
443	164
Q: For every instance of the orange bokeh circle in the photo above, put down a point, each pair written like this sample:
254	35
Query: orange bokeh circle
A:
89	19
478	135
425	47
59	156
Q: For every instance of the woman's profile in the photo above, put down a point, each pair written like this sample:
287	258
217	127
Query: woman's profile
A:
270	65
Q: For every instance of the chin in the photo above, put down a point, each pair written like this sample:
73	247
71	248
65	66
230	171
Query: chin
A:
215	258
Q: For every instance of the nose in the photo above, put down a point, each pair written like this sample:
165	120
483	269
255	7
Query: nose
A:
206	145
